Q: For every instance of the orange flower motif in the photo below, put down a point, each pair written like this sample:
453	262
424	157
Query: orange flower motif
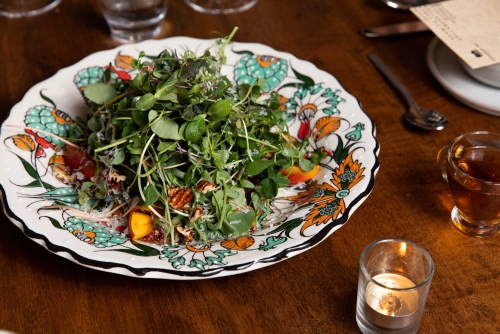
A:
57	161
239	244
24	142
323	212
198	248
348	174
328	199
123	61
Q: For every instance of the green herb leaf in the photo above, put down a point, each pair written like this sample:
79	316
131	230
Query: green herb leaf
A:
166	146
219	109
86	185
247	184
317	156
146	102
290	152
151	195
152	115
94	124
306	165
241	221
281	181
119	157
167	87
258	166
195	129
166	128
269	188
99	92
140	117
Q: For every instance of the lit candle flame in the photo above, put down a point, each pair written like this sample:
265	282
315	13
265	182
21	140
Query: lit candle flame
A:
402	249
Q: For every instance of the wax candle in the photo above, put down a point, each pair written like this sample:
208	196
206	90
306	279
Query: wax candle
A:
390	307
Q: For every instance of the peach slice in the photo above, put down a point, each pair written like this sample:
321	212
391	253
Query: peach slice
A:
298	175
140	222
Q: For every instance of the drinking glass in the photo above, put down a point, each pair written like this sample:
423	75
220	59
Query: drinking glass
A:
471	166
407	4
220	6
394	280
24	8
134	20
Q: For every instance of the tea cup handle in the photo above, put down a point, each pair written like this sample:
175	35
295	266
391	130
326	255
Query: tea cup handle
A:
442	161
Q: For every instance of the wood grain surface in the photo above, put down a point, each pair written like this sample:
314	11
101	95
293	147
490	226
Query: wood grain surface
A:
314	292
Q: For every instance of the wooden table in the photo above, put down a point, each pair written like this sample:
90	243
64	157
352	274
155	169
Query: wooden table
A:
314	292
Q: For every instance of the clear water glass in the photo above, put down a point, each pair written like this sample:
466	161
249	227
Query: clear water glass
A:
216	7
134	20
394	280
24	8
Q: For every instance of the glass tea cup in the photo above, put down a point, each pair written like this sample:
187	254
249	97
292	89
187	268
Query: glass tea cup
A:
471	166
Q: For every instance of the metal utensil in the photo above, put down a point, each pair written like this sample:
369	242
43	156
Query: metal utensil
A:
423	118
395	29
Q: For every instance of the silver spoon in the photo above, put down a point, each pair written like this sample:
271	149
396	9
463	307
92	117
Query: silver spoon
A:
423	118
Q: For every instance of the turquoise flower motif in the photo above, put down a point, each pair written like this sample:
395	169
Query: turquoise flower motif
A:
252	67
89	75
271	243
64	195
195	263
355	135
177	262
93	233
347	176
328	210
333	100
318	192
50	120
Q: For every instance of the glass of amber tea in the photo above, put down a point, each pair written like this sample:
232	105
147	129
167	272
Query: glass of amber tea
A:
471	166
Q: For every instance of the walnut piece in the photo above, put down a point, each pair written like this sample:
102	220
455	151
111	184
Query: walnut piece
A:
186	233
114	176
205	186
179	197
196	214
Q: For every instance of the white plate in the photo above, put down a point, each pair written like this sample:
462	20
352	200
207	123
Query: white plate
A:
446	68
343	183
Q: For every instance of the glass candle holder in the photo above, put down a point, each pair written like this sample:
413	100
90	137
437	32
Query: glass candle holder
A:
394	279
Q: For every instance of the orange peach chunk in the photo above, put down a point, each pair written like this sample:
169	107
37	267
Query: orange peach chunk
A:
140	223
297	175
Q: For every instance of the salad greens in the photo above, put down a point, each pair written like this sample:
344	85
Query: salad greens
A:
180	125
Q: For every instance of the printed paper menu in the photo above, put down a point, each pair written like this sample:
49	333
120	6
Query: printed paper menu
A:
471	28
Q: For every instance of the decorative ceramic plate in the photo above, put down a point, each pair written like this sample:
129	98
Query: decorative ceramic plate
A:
316	107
